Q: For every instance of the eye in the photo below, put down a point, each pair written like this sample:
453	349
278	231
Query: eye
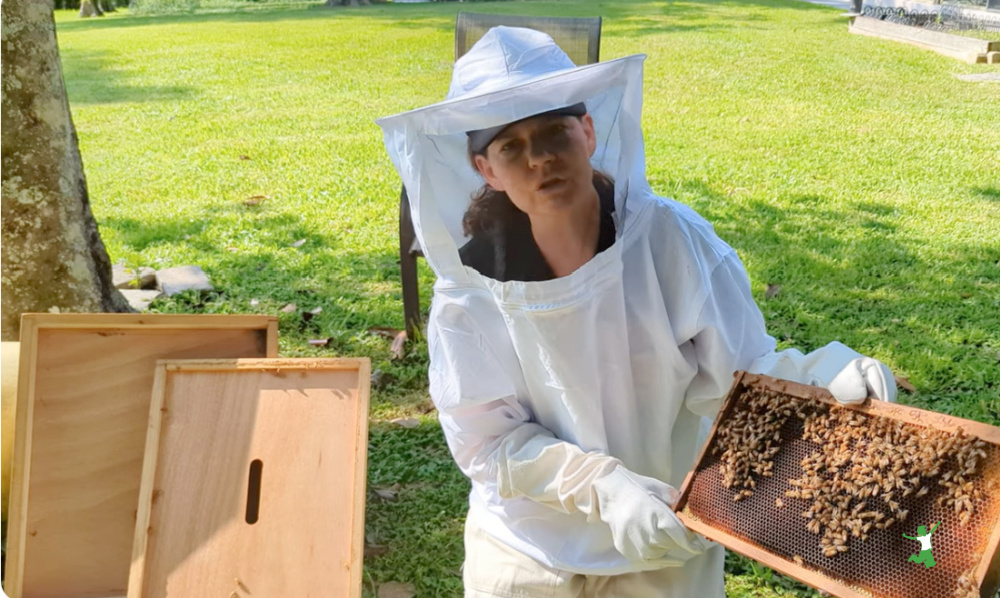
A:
510	146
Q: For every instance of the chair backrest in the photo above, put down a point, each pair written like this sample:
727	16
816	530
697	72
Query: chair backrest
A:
579	37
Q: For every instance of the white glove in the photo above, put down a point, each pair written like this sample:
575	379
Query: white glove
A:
861	378
643	524
849	376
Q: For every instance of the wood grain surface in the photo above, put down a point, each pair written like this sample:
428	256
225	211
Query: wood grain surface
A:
83	408
304	423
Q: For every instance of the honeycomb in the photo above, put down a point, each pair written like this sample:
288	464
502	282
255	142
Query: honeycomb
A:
759	501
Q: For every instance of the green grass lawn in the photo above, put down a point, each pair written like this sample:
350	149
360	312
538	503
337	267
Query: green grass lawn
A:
859	175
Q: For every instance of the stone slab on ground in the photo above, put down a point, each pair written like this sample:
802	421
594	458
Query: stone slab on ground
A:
139	299
123	277
980	77
969	49
183	278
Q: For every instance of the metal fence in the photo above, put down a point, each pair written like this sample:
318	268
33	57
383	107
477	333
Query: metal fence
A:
949	17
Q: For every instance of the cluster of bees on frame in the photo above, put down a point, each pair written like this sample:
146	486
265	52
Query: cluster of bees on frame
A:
864	467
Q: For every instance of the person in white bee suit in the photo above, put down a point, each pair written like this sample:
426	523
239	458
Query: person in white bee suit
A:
581	326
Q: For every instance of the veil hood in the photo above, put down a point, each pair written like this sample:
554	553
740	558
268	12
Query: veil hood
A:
508	75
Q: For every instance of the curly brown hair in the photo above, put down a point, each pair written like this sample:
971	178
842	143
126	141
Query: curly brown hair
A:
490	209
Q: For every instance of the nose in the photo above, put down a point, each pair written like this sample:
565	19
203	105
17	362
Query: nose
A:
539	153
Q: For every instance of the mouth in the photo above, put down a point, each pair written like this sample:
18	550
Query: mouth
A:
552	183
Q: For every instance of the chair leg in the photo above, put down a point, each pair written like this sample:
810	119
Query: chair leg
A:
411	294
408	269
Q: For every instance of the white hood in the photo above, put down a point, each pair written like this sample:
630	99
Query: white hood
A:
510	74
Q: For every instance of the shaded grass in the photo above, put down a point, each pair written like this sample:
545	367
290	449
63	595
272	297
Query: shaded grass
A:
858	174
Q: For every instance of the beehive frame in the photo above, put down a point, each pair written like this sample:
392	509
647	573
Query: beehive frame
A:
82	412
740	527
254	479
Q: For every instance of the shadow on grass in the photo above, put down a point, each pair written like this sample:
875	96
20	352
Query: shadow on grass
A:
96	81
988	193
932	313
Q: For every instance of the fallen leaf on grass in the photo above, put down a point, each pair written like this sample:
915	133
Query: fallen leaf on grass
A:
254	302
316	311
395	589
244	157
772	290
406	422
905	384
254	200
384	331
299	243
399	345
385	493
319	342
291	307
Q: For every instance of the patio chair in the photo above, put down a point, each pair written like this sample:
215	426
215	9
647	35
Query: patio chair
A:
579	37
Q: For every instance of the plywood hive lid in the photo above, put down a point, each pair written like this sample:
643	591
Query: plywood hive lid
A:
254	480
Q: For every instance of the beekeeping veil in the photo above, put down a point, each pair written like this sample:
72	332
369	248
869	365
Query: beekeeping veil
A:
510	74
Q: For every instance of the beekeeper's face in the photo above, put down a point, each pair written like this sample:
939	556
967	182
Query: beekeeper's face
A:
542	163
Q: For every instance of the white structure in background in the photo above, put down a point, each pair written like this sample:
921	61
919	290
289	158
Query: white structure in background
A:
983	13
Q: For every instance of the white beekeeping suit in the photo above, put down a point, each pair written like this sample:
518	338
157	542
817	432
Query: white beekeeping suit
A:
574	404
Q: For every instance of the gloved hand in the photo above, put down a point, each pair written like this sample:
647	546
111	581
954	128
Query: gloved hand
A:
643	524
849	376
863	377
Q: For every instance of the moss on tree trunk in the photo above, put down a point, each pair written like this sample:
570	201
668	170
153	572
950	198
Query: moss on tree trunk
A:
53	258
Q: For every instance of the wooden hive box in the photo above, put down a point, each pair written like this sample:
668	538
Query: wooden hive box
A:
83	407
833	490
254	480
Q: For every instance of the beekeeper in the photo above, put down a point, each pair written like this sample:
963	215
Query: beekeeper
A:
581	326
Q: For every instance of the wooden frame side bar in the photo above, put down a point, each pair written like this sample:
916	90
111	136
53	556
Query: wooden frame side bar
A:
137	570
17	513
361	474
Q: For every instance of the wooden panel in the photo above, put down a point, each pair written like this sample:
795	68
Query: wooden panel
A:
83	406
759	529
304	424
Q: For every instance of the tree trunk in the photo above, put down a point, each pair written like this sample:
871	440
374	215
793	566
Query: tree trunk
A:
90	8
53	258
